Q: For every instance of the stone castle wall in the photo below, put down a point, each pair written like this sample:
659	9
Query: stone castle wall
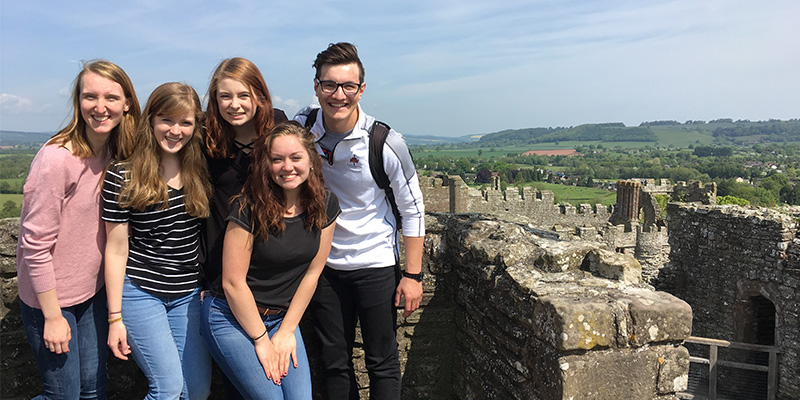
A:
724	256
647	241
451	194
506	314
540	318
695	192
664	187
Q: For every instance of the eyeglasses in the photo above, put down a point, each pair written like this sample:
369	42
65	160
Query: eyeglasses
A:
349	88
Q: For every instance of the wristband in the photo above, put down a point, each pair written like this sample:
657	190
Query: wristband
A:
416	277
261	335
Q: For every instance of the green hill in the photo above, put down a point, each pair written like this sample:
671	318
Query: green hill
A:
14	138
610	132
723	131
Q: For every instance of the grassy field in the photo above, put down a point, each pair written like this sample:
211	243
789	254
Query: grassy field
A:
13	181
470	152
666	137
577	195
17	198
681	137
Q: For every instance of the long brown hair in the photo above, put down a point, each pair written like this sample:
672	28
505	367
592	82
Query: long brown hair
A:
145	186
219	133
266	198
120	142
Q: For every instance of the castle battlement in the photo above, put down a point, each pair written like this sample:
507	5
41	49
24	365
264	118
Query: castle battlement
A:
451	194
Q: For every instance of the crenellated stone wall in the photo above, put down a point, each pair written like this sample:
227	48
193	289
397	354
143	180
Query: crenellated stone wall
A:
450	194
641	232
726	259
695	192
664	186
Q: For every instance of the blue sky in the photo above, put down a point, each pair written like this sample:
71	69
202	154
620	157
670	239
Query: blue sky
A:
436	67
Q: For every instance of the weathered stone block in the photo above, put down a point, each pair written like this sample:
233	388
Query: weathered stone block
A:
612	375
673	373
612	265
657	316
560	256
574	323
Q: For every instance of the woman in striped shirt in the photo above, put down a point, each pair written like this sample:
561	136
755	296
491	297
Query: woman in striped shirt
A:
152	205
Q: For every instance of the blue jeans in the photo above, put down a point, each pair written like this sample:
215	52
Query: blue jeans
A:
235	354
164	335
80	373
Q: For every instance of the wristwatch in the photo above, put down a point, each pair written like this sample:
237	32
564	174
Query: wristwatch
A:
416	277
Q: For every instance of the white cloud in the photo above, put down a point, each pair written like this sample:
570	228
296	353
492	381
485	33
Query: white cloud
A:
286	104
16	104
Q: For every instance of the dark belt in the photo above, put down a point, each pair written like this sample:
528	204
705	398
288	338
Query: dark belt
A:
269	311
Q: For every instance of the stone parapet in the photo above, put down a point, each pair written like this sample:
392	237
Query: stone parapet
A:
533	323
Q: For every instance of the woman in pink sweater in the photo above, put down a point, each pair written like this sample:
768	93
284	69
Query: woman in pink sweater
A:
61	240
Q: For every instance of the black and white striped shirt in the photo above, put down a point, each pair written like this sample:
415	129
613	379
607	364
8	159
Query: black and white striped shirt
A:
163	246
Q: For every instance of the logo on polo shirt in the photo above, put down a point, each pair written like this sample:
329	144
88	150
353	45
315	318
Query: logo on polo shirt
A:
354	162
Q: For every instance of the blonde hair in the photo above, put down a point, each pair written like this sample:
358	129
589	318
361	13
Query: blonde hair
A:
145	187
121	140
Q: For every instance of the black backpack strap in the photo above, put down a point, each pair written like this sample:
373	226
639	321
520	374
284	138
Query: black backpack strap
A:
378	133
311	118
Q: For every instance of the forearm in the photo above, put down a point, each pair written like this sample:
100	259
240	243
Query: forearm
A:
48	300
116	259
243	305
114	279
237	246
300	301
413	253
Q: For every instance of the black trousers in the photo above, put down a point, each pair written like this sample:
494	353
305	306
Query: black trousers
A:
342	298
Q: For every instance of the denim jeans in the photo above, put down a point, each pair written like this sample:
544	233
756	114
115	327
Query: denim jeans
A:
164	335
343	298
235	354
80	373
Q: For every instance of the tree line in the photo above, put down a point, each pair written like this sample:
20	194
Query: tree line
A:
763	175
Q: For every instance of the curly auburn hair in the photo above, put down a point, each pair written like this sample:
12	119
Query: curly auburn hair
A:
267	199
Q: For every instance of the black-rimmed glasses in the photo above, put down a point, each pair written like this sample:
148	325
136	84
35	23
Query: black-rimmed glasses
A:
349	88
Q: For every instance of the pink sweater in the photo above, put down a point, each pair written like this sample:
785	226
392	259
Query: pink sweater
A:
61	237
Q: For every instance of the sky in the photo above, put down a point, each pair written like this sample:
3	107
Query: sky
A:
433	67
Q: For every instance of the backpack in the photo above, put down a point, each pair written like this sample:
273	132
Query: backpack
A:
377	134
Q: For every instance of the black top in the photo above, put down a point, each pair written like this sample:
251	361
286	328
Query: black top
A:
278	264
163	245
227	178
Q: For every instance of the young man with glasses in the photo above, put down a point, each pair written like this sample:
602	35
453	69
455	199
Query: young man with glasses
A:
362	280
